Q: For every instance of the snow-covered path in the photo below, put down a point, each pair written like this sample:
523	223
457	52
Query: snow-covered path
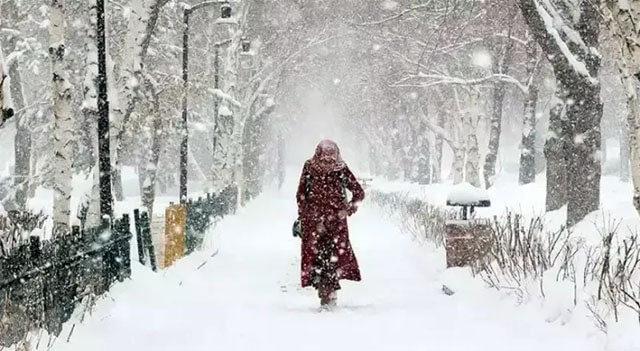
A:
247	297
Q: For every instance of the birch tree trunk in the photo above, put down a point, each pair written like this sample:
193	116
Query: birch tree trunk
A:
473	161
90	110
423	162
63	122
634	134
472	167
528	147
528	144
555	154
22	141
495	131
624	147
129	82
22	144
149	172
227	133
457	167
494	134
622	20
143	19
437	164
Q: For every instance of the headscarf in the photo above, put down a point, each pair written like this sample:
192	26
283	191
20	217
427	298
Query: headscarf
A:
327	157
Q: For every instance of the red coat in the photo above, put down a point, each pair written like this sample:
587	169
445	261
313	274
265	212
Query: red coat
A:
323	212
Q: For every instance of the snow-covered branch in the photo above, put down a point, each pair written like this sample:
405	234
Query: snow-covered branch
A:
427	5
437	79
219	94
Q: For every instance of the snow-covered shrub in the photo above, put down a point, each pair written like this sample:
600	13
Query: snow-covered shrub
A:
422	220
17	226
522	251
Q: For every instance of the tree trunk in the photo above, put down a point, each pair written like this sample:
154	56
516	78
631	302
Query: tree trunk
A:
584	169
494	134
457	168
150	171
472	166
630	134
555	154
90	111
603	155
624	147
528	148
437	164
22	144
280	164
423	161
576	63
528	144
22	141
143	20
63	122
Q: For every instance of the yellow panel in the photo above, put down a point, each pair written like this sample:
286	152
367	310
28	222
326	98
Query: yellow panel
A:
175	230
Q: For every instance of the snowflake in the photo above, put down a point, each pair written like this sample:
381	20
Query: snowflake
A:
389	5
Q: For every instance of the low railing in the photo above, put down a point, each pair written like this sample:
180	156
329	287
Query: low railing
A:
41	282
201	213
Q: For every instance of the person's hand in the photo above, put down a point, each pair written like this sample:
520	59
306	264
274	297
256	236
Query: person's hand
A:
352	208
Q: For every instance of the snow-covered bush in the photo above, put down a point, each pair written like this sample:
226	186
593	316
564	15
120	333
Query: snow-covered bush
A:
422	220
17	226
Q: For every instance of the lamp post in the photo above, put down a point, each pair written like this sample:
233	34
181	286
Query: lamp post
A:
104	158
225	13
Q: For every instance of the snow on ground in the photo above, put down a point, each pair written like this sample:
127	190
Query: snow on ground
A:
529	200
247	297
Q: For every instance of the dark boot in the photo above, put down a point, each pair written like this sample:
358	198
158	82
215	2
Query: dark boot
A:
328	298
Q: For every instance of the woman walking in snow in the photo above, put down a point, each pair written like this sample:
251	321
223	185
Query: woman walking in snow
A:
323	208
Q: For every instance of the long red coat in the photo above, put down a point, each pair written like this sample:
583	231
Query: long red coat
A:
323	212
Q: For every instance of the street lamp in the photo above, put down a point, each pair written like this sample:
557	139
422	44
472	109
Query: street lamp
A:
104	158
225	12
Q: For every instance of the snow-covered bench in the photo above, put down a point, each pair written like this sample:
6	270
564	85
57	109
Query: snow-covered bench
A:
467	240
468	197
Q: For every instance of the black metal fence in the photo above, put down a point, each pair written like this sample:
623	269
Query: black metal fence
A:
42	282
202	212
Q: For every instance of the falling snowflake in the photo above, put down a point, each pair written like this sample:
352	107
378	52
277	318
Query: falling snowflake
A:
481	58
389	5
